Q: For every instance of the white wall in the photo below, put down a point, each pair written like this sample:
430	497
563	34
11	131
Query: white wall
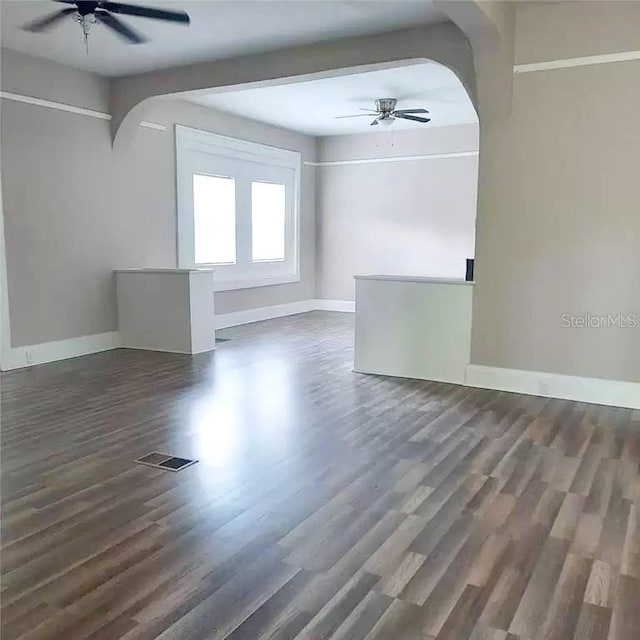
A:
74	209
412	214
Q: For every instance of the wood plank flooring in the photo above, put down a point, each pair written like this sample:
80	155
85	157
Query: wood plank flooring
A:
326	504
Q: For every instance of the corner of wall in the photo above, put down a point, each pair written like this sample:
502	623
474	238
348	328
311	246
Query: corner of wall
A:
5	323
317	204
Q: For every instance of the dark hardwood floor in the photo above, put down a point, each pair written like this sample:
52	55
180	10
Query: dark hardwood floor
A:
325	504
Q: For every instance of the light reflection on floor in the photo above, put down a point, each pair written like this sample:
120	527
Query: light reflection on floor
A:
245	416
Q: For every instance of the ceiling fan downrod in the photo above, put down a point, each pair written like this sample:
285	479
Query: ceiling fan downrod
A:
86	21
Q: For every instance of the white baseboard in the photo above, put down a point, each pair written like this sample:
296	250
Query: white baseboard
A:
346	306
263	313
33	354
280	310
614	393
182	353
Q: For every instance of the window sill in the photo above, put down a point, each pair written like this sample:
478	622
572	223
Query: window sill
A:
251	283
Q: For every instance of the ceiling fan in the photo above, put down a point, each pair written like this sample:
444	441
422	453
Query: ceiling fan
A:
101	11
386	112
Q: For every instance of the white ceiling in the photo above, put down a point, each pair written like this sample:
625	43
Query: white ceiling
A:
311	106
219	28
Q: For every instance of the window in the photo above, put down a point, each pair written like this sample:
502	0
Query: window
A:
267	221
238	206
214	219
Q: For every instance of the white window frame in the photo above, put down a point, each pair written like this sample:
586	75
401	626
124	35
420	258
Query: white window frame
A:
200	151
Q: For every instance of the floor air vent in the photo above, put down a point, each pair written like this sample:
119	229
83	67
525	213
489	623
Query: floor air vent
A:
165	461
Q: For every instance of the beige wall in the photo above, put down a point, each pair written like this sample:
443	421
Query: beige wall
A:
414	217
49	81
559	200
573	29
74	209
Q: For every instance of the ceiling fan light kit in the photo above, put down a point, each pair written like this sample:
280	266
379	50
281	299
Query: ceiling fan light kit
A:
386	113
87	13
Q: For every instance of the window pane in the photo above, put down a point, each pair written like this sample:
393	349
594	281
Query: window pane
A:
267	221
214	219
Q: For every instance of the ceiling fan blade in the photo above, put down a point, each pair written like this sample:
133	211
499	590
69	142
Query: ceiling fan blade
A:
42	24
357	115
411	111
414	118
119	27
146	12
375	122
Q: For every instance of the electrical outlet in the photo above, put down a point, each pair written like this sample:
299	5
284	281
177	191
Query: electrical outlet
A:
28	357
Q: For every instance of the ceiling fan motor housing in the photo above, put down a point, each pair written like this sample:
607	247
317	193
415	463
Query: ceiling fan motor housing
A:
386	105
85	7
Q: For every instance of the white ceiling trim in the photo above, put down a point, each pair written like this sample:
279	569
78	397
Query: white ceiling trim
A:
431	156
567	63
70	108
60	106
